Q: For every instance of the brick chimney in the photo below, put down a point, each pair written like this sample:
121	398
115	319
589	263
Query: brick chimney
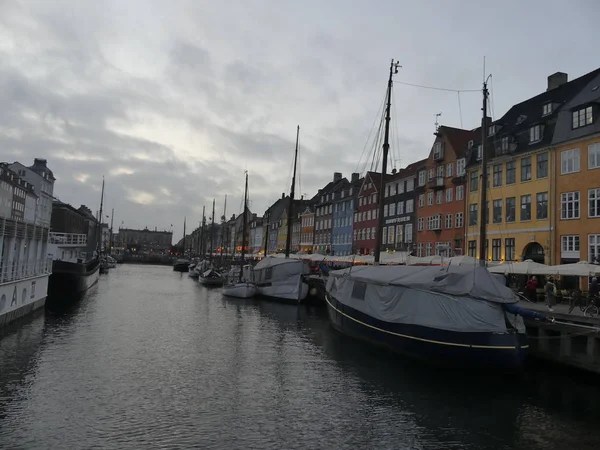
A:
337	176
355	177
557	79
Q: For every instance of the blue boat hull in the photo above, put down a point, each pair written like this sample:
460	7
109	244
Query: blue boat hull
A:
463	349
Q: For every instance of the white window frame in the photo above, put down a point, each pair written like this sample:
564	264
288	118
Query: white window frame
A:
400	208
409	206
547	109
449	169
439	197
420	224
421	200
460	167
449	221
535	134
593	247
573	199
582	117
422	178
594	156
570	161
594	202
449	193
570	244
430	198
459	220
460	193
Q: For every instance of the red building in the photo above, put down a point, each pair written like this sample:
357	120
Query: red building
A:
366	217
441	194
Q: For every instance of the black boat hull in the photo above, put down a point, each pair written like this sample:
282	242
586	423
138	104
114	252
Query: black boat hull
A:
69	281
461	349
181	267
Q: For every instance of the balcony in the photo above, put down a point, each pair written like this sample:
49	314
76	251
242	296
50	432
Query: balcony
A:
18	270
460	179
67	239
436	183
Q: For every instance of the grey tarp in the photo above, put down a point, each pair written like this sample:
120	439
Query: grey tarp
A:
457	298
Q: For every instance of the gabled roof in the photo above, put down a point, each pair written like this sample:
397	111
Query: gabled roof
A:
458	139
409	171
375	178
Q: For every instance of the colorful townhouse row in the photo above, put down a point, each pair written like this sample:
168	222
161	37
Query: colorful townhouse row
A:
543	191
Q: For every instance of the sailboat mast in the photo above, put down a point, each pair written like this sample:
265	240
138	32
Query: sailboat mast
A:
99	239
212	231
244	220
290	212
184	219
223	222
201	240
386	147
110	242
484	177
267	233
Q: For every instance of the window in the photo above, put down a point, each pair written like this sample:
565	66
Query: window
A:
474	181
429	198
460	167
492	130
582	117
419	249
460	193
392	209
594	248
420	223
569	205
400	187
525	207
541	207
459	220
422	178
439	197
542	165
449	220
449	195
594	202
504	145
385	210
497	175
535	133
400	208
511	172
479	152
511	206
393	189
437	150
408	232
410	185
547	109
472	214
526	168
431	174
496	249
509	249
440	171
569	161
569	244
473	248
409	206
421	200
497	211
449	169
428	249
594	156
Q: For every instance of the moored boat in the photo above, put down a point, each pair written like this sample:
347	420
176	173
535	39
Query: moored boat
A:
181	265
240	290
211	277
281	279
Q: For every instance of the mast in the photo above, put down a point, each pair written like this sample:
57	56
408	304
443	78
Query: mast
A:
223	222
288	238
484	214
267	233
184	219
202	249
244	220
386	146
201	227
100	220
110	242
212	231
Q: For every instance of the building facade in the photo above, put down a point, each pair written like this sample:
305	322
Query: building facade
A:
307	228
399	209
441	194
344	203
42	179
366	216
576	185
145	239
323	242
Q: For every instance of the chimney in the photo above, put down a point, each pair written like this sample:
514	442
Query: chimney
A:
39	162
355	177
394	171
282	195
557	79
337	176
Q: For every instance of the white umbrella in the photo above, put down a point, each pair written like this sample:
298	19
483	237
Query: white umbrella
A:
527	267
578	269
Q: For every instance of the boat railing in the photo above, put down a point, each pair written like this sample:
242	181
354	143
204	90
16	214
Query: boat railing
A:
75	239
18	270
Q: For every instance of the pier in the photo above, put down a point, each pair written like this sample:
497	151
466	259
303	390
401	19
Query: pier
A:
572	340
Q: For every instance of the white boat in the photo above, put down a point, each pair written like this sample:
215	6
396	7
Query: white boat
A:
211	278
240	290
281	278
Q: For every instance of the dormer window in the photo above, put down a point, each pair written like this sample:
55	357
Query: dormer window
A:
479	152
504	144
470	146
492	130
582	117
547	109
535	134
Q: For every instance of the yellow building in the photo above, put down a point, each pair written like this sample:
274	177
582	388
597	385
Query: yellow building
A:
522	186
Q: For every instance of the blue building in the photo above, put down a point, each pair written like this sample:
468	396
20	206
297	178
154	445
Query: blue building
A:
344	202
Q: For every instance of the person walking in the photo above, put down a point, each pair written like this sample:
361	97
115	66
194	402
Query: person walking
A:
594	288
550	289
531	289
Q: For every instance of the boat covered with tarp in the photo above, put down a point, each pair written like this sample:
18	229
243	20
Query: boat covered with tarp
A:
281	279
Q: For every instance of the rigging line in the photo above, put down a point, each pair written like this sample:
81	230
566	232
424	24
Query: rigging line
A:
375	144
437	88
376	150
377	115
459	109
398	151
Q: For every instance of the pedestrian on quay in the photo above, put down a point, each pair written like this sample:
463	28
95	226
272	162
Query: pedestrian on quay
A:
594	288
550	289
531	289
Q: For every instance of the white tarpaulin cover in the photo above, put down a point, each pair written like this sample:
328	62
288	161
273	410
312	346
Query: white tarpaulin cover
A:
450	298
281	277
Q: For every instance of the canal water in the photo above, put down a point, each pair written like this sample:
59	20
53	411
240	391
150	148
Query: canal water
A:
150	359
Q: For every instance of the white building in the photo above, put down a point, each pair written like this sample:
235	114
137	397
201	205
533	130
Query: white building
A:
42	180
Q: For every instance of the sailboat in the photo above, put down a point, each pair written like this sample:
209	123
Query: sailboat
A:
242	288
209	276
195	270
456	315
182	264
282	279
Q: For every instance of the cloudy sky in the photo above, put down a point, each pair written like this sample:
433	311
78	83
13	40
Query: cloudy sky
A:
172	100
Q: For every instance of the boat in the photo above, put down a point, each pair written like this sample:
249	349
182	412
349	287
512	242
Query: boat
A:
238	285
282	279
112	262
182	264
104	267
211	277
457	315
24	273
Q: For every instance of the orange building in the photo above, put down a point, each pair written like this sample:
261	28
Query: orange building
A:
441	194
576	154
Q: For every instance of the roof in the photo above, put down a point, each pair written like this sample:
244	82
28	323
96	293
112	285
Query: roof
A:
409	171
458	139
